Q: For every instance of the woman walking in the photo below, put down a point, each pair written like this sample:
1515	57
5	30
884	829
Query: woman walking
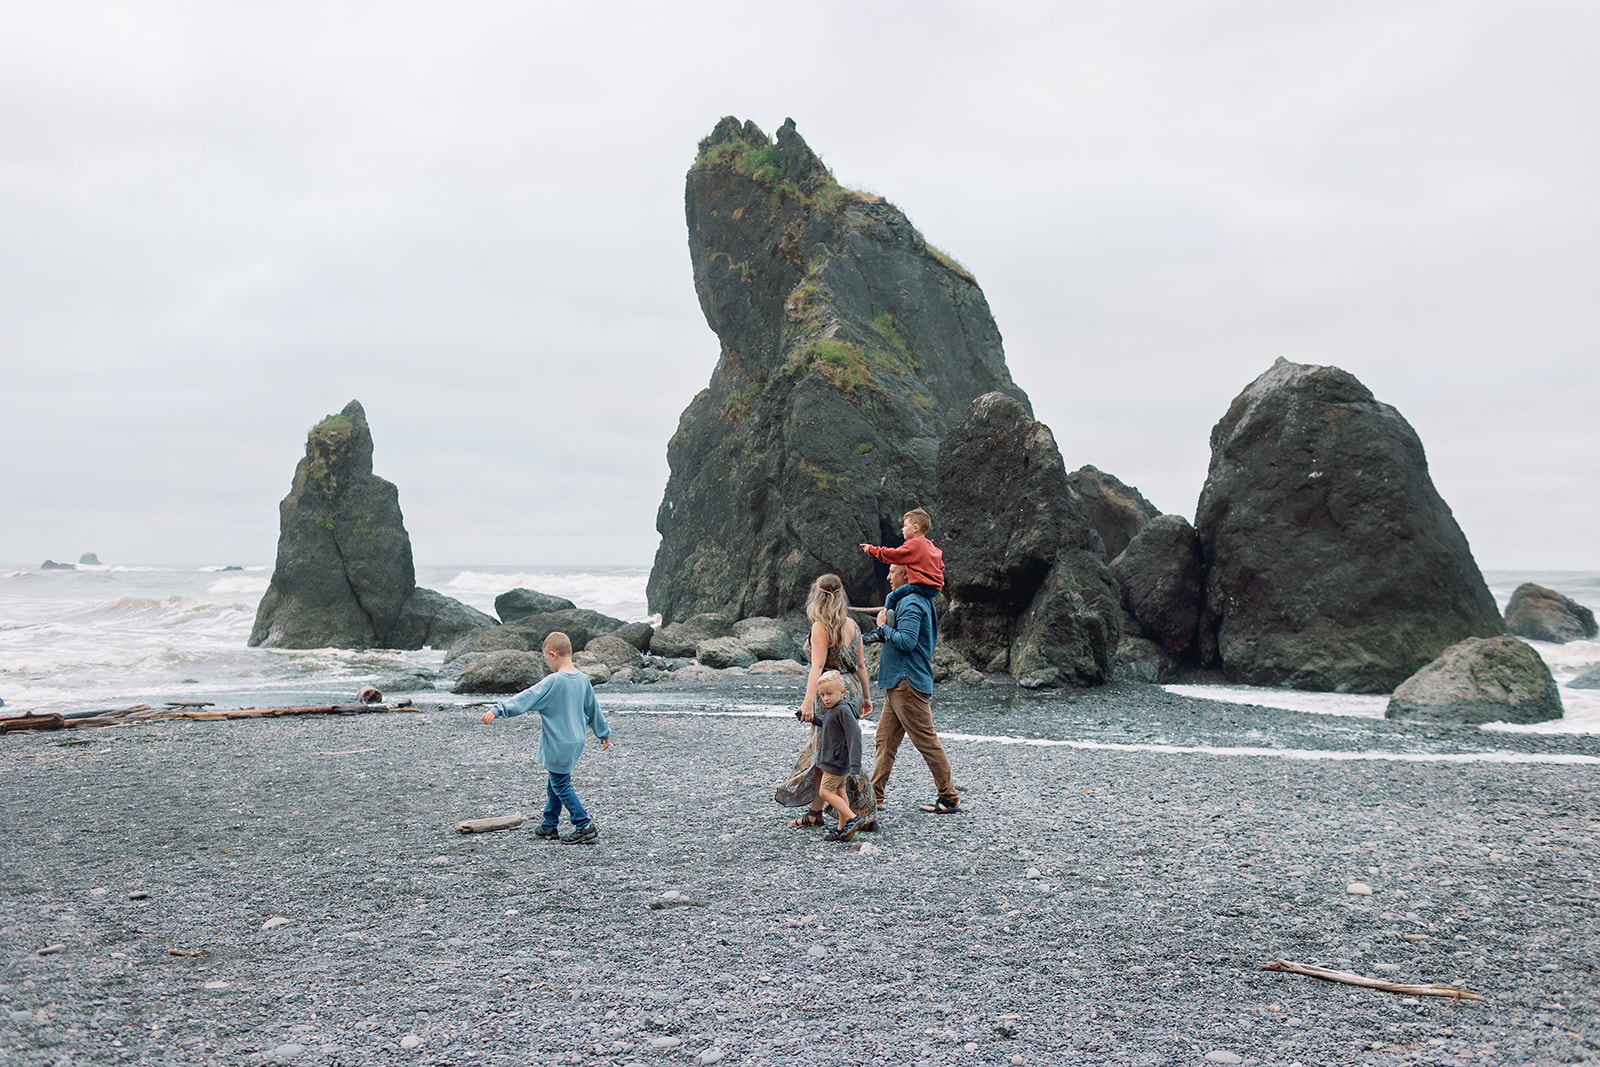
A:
833	644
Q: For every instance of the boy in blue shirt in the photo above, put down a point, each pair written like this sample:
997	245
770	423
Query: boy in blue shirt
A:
567	708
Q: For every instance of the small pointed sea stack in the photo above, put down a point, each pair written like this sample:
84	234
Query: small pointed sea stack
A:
344	576
1332	563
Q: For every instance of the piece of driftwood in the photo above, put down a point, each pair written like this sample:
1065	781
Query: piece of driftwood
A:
22	724
187	710
191	704
486	826
1433	989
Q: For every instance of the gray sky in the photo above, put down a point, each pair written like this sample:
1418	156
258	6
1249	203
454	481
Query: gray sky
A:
219	223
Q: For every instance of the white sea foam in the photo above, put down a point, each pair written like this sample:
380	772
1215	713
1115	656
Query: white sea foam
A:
252	585
1356	705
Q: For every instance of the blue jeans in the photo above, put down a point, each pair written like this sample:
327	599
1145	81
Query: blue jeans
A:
558	794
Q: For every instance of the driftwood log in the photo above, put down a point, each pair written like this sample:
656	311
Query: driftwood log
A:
22	724
1433	989
183	710
485	826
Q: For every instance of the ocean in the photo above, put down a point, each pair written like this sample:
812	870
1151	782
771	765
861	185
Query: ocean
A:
113	635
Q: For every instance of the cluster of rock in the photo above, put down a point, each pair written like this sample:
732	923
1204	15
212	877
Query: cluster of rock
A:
861	374
344	577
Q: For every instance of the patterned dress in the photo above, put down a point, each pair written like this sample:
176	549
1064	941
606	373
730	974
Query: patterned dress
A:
799	789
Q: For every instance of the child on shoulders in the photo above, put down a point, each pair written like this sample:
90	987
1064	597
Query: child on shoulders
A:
567	709
921	558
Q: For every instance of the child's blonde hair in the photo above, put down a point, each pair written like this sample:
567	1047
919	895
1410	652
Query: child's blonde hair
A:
830	676
923	521
559	643
827	604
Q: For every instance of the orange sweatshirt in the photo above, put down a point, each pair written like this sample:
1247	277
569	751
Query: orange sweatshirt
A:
921	558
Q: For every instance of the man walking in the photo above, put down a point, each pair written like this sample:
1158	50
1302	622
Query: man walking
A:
905	672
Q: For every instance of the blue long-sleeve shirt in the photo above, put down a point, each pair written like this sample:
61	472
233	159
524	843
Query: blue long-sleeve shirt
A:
908	645
567	708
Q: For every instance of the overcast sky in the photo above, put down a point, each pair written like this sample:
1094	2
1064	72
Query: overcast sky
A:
221	222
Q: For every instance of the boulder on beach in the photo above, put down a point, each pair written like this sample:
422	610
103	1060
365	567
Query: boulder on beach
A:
489	639
1481	679
1116	511
613	651
637	634
506	671
1140	659
770	638
679	639
89	559
344	576
1541	614
1589	679
1029	589
847	344
720	653
516	604
1331	561
1162	583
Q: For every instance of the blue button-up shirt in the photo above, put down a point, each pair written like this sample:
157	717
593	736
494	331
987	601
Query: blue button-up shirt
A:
908	645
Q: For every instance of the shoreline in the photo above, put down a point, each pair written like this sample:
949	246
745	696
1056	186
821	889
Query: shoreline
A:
1163	879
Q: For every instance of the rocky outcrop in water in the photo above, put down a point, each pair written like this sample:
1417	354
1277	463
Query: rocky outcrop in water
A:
1493	679
516	604
847	346
1541	614
1029	589
344	576
1331	561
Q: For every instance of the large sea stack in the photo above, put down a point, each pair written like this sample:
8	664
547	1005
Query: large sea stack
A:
1331	561
344	576
848	345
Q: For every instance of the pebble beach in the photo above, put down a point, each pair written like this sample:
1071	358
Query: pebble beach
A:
294	891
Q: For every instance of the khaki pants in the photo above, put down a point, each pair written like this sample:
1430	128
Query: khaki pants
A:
907	712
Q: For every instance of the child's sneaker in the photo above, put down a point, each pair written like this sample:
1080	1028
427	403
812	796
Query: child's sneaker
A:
848	830
547	833
581	835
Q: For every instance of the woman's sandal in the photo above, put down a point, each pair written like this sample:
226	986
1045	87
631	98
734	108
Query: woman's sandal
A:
941	806
810	818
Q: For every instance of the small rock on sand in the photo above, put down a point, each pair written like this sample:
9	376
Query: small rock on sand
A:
1359	889
410	1041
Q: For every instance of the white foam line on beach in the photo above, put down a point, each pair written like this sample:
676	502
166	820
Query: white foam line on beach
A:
1288	753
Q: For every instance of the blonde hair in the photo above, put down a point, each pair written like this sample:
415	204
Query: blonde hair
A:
827	604
923	520
559	643
830	676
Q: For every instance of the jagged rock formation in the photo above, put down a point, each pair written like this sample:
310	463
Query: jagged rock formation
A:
1542	614
1481	679
1116	511
847	346
344	576
89	559
1331	561
1026	576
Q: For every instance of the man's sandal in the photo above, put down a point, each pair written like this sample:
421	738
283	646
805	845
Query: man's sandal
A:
810	818
940	806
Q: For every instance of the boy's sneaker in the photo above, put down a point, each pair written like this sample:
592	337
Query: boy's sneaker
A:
547	833
581	835
848	830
